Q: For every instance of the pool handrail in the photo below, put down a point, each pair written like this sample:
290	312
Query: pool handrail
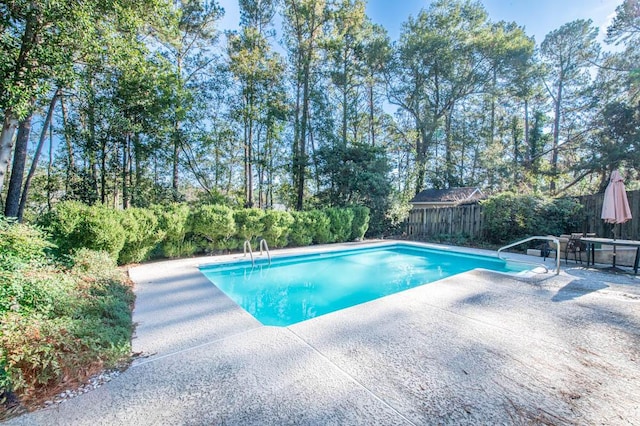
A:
247	243
545	238
263	242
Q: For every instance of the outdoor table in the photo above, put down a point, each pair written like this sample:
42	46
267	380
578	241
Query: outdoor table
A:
591	243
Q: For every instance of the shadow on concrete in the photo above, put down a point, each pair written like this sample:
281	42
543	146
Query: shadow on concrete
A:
576	289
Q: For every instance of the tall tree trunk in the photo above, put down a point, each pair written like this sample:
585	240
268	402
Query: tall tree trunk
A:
114	180
6	144
71	163
49	181
36	156
302	145
17	169
176	159
448	155
556	140
270	174
295	169
526	123
372	132
492	123
421	158
248	160
125	171
103	175
345	109
137	172
312	145
217	176
92	148
516	149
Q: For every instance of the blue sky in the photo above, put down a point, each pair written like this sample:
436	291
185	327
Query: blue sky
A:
539	17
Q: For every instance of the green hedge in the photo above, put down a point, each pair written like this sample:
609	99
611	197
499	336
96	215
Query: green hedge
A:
249	226
340	223
173	220
277	227
142	234
320	227
176	230
212	226
74	225
360	222
301	231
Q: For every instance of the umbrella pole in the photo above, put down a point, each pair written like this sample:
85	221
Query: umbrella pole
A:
614	246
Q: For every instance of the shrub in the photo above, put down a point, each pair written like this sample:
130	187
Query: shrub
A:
301	231
58	326
340	223
249	224
173	222
39	352
277	226
212	226
42	291
320	227
20	245
141	234
179	249
508	216
94	265
74	225
360	222
563	216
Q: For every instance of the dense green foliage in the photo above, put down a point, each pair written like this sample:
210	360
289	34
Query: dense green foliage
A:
138	234
173	220
360	222
59	322
301	232
249	225
509	216
212	226
142	234
73	225
320	227
277	227
150	105
357	175
341	221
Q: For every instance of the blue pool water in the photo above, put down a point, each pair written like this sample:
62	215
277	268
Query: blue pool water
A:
297	288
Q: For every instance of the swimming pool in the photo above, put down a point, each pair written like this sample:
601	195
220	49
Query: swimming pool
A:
301	287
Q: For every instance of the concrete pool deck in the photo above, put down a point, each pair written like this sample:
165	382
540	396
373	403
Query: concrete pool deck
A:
476	348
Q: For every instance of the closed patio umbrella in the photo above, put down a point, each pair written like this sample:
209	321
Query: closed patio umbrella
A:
615	208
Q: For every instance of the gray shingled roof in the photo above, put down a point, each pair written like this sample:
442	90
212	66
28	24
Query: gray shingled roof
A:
448	195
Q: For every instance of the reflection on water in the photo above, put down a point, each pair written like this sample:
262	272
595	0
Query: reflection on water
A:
291	290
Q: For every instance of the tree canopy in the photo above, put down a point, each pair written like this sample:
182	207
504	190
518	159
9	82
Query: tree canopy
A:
132	103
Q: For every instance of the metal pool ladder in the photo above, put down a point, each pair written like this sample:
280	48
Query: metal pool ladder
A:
552	239
247	244
263	245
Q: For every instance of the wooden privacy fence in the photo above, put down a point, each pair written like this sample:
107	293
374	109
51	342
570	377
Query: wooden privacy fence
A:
469	220
592	222
464	219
